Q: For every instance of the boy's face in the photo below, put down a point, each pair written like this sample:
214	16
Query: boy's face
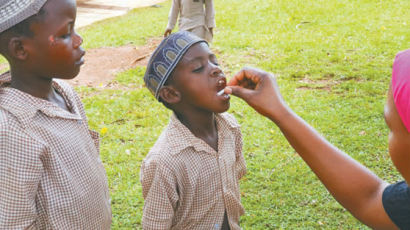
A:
55	49
199	78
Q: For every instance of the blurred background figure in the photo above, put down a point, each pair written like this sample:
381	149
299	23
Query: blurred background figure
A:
195	16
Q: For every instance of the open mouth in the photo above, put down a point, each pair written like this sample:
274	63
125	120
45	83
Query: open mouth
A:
221	88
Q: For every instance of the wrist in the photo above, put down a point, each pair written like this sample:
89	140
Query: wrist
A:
280	115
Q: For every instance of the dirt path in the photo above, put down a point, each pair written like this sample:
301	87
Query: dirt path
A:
90	11
102	64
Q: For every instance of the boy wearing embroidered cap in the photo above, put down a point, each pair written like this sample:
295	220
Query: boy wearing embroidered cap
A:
51	176
190	178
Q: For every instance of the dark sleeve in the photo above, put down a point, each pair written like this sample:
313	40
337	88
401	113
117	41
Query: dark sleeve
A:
396	203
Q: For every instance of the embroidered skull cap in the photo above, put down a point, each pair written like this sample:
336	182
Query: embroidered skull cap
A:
165	58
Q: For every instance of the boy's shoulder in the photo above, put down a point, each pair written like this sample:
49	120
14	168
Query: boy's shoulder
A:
175	138
229	119
12	129
162	150
7	118
21	107
161	157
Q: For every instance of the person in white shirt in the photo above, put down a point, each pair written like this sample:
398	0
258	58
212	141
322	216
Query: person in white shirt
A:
195	16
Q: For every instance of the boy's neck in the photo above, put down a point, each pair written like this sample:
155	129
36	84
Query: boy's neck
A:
202	125
36	86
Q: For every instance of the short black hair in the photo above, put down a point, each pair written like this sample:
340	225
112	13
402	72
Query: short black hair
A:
21	29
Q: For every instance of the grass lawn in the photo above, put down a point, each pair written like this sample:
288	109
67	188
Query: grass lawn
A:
333	61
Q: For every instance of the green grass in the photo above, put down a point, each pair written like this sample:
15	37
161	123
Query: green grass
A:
3	66
136	27
333	61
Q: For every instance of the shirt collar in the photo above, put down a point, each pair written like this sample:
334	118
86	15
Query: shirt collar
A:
187	139
24	106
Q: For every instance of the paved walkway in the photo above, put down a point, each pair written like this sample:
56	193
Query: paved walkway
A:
90	11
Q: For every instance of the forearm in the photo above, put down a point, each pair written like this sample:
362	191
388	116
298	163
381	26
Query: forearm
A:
173	15
353	185
209	14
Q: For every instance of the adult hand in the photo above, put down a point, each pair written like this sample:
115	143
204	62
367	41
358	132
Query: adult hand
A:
260	90
167	32
353	185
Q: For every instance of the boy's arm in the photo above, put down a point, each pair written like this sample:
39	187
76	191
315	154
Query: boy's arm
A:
173	16
209	14
160	195
20	172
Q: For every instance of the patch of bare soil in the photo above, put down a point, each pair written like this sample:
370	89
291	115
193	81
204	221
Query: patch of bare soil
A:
324	84
102	64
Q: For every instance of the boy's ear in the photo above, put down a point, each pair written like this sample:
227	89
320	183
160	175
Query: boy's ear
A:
169	94
16	48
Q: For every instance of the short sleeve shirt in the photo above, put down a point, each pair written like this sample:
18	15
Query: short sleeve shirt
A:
396	202
186	184
51	175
